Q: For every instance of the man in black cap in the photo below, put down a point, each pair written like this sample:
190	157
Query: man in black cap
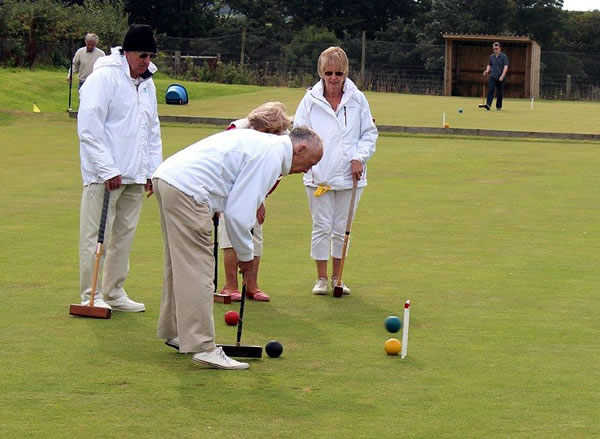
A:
120	148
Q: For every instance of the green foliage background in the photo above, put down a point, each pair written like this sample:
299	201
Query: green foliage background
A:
495	242
403	35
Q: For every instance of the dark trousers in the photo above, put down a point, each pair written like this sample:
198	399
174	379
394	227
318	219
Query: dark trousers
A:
495	84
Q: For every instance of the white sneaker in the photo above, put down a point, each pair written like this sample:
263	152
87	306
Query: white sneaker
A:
345	289
320	288
173	342
216	359
97	302
125	304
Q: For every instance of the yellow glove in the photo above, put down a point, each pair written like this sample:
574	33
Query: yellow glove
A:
321	189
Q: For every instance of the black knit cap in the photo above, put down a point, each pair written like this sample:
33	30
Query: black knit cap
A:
139	38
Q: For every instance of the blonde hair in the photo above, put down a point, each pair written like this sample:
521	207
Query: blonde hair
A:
270	118
333	55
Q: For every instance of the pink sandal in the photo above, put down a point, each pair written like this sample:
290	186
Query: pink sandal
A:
259	296
235	295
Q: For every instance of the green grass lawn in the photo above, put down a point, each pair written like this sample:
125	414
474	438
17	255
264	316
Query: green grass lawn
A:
496	243
50	91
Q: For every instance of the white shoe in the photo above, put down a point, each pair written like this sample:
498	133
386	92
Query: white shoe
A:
173	342
216	359
97	302
345	289
320	288
125	304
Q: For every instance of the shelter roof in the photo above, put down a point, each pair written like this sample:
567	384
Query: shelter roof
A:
490	38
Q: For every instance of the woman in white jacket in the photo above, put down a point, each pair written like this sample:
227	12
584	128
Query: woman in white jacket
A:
340	114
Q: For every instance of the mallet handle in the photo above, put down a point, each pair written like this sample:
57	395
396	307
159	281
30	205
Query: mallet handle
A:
102	227
70	74
347	237
101	230
241	319
216	248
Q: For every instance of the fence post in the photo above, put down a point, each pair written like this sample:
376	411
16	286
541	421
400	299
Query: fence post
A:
363	55
177	60
568	94
243	45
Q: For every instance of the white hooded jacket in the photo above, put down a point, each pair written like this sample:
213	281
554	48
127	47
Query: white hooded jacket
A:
348	134
117	122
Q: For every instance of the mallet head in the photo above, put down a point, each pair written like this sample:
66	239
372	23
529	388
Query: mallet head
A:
338	291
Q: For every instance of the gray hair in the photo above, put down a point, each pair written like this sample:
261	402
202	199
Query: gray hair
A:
309	137
91	37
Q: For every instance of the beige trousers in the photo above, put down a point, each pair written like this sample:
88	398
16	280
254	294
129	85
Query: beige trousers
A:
257	237
123	216
186	308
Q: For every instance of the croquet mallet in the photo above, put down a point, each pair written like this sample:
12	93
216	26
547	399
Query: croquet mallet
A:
482	105
338	290
238	349
90	310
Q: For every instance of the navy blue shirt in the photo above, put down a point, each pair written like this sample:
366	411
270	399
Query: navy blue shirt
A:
497	63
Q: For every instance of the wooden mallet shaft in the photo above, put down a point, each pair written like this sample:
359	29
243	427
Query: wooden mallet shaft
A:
90	310
338	289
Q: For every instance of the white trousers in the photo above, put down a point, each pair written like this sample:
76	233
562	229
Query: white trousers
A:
224	241
329	216
122	219
186	307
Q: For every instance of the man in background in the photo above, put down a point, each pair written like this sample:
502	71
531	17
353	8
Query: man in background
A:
84	59
497	68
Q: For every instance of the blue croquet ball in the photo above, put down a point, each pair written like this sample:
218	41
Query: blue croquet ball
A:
393	324
460	110
274	349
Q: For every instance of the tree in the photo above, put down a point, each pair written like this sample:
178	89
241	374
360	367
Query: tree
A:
539	19
306	46
107	19
177	18
466	17
38	24
349	16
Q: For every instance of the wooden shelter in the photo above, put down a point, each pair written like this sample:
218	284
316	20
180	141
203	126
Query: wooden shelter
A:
468	55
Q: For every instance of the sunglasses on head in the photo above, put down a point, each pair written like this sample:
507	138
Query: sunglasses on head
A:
336	73
145	55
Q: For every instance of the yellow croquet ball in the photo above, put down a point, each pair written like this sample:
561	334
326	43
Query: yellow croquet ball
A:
446	125
393	346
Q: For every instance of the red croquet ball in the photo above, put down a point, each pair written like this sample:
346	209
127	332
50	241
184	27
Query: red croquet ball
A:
231	318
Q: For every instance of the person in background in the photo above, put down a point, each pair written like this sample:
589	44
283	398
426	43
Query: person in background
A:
340	114
229	172
497	69
84	59
268	118
120	148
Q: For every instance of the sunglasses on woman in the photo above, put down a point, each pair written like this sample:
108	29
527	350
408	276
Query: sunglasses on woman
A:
145	55
336	73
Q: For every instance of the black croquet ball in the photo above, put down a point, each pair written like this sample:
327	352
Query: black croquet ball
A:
274	349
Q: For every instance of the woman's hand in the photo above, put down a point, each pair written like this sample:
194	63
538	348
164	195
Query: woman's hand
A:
357	171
